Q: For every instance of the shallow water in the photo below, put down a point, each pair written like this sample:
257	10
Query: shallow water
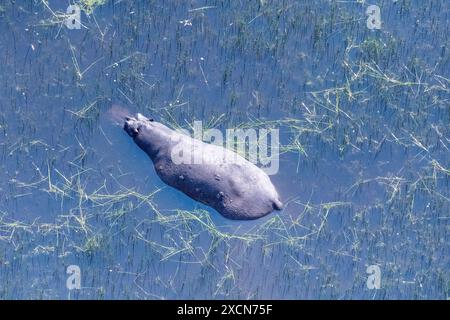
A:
364	119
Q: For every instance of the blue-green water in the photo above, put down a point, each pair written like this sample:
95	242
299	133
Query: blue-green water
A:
364	174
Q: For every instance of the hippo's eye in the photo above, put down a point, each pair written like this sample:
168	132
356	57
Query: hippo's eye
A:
151	120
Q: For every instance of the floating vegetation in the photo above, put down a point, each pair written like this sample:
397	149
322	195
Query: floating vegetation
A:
89	5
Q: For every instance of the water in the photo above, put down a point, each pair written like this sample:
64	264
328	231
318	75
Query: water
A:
364	119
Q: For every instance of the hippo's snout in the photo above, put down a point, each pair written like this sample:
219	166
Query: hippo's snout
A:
131	127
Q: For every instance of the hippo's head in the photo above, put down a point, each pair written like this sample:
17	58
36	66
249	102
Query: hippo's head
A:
133	125
148	134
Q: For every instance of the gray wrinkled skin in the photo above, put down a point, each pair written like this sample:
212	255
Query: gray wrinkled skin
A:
238	189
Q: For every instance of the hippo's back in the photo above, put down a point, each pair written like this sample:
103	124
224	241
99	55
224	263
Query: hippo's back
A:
221	179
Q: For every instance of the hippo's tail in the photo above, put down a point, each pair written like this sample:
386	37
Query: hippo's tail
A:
277	204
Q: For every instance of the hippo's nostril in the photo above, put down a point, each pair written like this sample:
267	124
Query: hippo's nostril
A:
132	130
